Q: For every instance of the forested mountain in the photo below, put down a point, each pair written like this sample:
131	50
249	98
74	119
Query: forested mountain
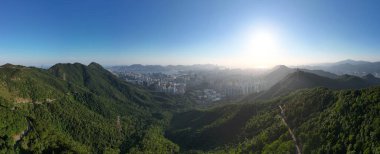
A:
321	120
279	72
81	109
75	108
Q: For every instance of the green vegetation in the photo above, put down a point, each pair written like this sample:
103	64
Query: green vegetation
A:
78	113
323	121
73	108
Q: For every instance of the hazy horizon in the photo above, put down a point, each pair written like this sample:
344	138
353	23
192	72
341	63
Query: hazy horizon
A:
226	66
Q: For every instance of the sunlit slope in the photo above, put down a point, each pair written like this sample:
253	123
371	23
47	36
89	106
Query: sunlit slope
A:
90	110
21	84
97	80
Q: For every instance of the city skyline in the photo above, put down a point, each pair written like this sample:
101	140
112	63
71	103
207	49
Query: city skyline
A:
241	33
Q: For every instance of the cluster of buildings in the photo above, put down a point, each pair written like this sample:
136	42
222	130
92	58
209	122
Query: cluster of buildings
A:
171	87
238	88
202	88
206	95
233	88
171	84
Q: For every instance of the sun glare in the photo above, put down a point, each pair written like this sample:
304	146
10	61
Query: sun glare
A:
263	41
262	48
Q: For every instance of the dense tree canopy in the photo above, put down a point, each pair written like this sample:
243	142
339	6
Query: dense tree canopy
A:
324	121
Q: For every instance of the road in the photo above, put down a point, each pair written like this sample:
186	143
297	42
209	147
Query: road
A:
290	130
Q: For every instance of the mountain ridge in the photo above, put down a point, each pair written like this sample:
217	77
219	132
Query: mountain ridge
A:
352	67
72	108
301	80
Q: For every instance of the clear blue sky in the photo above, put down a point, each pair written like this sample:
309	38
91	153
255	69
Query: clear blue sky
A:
36	32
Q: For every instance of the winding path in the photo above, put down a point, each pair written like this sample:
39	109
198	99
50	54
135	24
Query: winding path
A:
290	130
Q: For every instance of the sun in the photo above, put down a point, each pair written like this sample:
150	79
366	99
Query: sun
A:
263	41
263	48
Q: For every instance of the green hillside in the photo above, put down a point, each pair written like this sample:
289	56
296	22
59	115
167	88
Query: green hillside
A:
323	121
74	108
104	92
85	110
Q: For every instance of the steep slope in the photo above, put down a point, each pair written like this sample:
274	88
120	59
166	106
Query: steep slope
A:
277	74
372	79
95	78
77	108
102	83
27	84
321	73
323	121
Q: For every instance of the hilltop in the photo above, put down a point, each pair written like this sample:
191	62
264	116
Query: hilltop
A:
301	80
351	67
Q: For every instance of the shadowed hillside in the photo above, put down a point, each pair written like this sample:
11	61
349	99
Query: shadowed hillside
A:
316	116
302	80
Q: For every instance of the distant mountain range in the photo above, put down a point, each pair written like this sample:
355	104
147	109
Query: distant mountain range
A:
300	79
273	76
279	72
351	67
331	70
161	69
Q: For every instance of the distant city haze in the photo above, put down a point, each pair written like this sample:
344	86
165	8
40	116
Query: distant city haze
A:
237	34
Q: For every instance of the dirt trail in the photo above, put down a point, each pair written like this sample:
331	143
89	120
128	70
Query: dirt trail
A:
19	137
290	130
118	124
